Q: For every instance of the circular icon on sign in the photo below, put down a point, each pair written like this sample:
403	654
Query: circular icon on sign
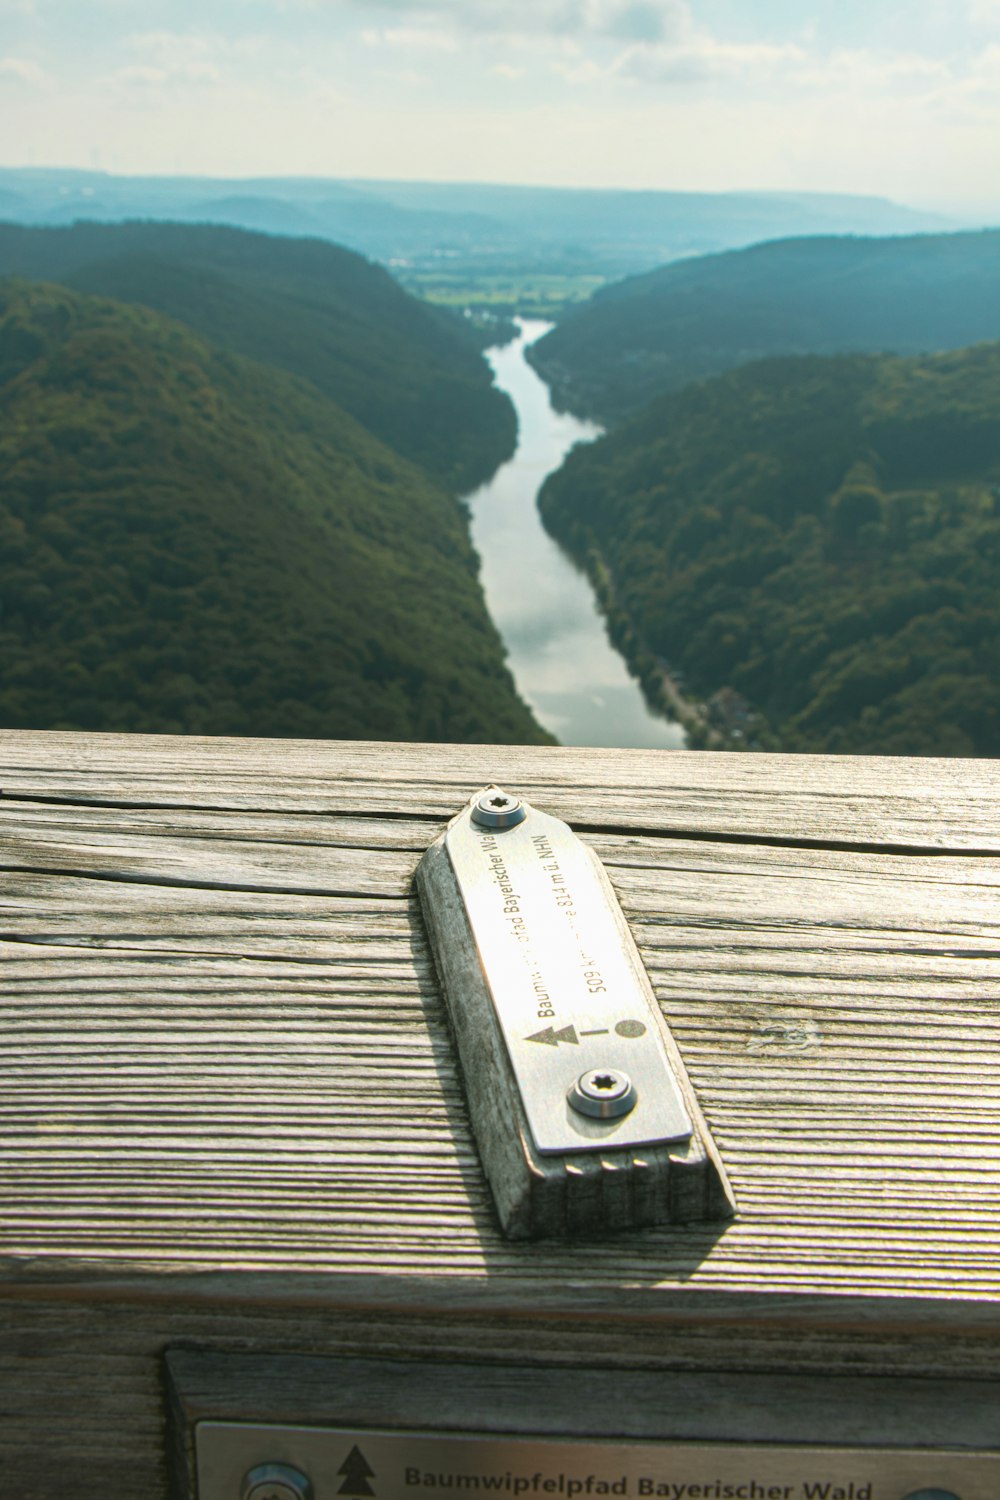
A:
276	1482
630	1028
931	1495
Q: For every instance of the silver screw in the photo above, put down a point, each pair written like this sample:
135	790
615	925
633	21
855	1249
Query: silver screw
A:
497	809
603	1094
276	1482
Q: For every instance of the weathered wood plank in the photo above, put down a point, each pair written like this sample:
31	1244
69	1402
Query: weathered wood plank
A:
112	1441
834	1023
231	1116
937	804
582	1401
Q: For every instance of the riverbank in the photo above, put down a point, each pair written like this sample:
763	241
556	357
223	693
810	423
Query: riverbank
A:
723	722
659	685
565	666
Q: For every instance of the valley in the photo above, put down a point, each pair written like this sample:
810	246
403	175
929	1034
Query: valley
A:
231	463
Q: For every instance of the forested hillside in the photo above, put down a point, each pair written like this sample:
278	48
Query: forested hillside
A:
653	333
193	542
409	372
821	536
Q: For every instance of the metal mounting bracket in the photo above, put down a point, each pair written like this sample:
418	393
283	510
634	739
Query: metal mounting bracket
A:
582	1109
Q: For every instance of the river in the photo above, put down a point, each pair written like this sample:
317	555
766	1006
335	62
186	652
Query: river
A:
544	608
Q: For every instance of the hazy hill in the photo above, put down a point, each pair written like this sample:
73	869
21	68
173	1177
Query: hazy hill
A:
695	318
194	542
471	225
637	222
407	371
821	535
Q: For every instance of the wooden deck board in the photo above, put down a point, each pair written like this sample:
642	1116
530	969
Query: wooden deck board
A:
933	804
230	1115
221	1019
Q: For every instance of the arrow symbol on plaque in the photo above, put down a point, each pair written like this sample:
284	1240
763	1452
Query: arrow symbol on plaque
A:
357	1472
551	1037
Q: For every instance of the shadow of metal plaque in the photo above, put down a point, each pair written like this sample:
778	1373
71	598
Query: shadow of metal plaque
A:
246	1462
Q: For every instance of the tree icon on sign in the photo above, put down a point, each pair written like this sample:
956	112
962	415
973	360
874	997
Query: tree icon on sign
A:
357	1473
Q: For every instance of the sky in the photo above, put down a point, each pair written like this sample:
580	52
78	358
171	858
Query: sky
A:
900	99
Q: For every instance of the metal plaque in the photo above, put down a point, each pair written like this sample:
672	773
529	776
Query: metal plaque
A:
324	1462
576	1010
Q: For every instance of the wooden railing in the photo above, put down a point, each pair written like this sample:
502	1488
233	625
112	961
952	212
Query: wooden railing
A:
231	1118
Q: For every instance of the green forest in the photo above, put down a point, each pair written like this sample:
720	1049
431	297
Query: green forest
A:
698	317
410	373
192	541
818	536
230	464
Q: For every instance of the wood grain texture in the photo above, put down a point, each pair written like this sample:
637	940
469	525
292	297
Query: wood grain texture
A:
858	801
680	1405
231	1115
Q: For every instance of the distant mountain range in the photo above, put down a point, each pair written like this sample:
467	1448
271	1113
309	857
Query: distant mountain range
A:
657	332
814	543
194	541
599	231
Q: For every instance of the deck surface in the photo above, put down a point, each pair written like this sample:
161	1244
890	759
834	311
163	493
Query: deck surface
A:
224	1050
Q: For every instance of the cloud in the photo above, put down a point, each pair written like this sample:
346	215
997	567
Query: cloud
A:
410	39
408	77
974	98
168	57
628	20
654	21
23	71
580	73
888	73
704	59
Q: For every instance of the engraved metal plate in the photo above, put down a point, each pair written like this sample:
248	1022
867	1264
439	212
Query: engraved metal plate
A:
566	980
400	1465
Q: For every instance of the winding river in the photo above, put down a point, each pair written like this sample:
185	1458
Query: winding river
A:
558	649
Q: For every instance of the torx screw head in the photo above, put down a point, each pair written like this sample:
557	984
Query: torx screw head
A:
276	1482
497	809
603	1094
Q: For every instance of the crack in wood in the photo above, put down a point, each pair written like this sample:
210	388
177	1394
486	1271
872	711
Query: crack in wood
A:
784	841
347	814
132	950
434	817
180	883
